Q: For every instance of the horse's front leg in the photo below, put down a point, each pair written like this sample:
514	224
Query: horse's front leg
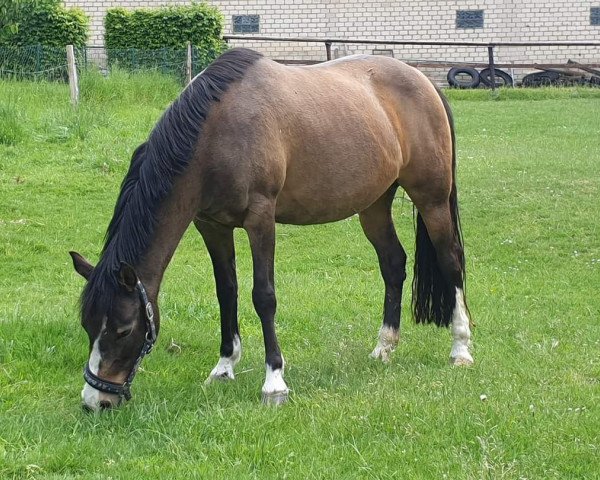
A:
260	226
219	242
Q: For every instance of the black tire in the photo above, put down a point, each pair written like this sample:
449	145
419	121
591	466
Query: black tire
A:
460	83
503	79
594	81
541	79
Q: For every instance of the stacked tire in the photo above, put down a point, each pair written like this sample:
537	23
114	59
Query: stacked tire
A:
467	77
463	77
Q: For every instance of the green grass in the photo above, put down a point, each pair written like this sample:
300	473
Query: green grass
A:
529	190
545	93
11	130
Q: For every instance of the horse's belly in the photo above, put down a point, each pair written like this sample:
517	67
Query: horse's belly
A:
308	204
339	164
296	214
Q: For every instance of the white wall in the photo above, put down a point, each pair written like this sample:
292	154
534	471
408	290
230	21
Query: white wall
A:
504	20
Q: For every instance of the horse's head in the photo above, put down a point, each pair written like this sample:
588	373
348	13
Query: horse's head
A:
119	321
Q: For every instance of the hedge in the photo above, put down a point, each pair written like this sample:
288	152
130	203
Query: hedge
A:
37	47
50	25
163	33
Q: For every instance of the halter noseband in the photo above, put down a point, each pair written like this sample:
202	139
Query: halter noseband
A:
123	390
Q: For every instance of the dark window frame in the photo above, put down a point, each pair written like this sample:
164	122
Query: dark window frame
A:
470	19
245	23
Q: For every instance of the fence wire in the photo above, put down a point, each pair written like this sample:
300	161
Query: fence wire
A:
49	63
33	63
40	62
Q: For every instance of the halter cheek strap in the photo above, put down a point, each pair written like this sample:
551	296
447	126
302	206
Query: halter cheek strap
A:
123	390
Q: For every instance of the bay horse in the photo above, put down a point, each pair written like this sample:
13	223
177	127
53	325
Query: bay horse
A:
248	143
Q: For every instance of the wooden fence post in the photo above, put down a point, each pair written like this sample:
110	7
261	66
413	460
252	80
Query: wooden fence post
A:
188	66
73	82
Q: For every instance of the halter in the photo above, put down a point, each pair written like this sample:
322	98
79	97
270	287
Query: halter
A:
123	390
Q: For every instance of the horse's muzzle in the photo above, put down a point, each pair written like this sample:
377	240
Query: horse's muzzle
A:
94	400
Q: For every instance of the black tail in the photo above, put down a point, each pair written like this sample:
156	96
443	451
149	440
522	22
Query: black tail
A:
433	298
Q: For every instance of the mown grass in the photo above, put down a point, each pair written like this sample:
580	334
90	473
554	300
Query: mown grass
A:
529	189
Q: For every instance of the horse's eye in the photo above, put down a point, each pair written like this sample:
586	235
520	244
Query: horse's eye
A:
122	333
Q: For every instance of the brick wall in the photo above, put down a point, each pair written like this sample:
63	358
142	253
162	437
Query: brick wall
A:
504	20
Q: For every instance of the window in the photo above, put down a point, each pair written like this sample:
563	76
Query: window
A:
469	19
595	16
246	23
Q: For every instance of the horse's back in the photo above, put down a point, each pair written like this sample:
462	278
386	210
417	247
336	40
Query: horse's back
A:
328	139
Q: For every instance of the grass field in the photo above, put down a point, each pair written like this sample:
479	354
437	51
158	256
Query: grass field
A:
529	187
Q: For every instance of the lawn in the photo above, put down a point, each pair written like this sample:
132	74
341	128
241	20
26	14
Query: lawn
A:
529	186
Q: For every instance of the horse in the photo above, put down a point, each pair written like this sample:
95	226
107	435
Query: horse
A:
250	143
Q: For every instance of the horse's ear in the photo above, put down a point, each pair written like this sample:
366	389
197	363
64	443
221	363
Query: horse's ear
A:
127	277
82	266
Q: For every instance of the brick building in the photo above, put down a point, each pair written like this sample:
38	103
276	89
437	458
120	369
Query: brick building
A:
437	20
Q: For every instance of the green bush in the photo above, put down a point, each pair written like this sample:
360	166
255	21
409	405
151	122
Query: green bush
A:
37	46
49	24
167	27
151	38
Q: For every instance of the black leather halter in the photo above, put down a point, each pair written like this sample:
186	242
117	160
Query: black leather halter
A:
123	390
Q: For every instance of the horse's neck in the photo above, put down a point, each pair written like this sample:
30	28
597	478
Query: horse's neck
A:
175	214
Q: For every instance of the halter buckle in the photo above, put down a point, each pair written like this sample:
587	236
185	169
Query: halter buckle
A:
149	312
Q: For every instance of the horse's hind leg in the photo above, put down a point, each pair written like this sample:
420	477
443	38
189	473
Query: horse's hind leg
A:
219	242
379	228
438	288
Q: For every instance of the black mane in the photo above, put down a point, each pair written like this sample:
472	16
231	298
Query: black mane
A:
154	166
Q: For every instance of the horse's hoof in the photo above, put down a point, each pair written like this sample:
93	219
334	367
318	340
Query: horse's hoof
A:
382	353
275	398
388	340
464	360
219	377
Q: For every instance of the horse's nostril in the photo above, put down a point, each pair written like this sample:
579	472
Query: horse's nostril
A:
104	404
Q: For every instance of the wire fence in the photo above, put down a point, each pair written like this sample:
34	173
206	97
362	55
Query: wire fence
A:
517	60
510	63
33	63
40	62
